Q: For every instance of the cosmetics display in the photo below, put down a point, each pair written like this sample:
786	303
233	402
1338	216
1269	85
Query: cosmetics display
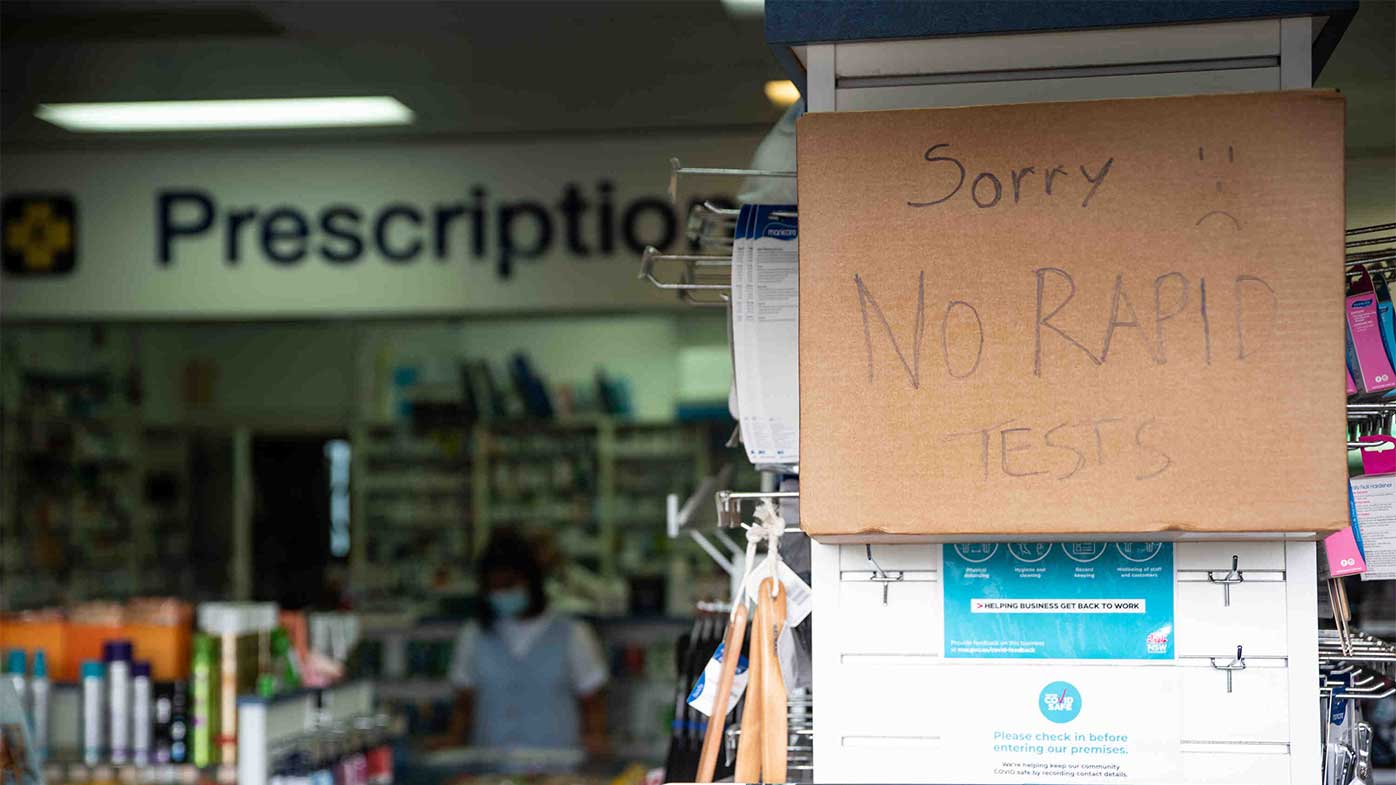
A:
135	714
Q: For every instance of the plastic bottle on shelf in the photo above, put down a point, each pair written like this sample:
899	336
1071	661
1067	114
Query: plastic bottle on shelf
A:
170	734
285	669
204	693
39	700
16	665
179	724
230	657
117	654
141	700
93	711
162	715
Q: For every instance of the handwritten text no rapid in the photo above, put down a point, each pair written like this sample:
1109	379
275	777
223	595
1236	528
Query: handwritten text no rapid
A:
1011	450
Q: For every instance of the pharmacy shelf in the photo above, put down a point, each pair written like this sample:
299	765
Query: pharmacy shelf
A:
571	476
75	478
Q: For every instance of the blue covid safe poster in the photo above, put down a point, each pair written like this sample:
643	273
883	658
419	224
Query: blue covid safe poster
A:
1059	600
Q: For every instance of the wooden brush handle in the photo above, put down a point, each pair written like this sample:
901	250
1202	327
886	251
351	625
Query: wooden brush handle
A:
731	654
774	706
748	769
761	755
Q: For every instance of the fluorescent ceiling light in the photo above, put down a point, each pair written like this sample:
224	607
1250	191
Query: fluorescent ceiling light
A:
782	92
227	115
744	8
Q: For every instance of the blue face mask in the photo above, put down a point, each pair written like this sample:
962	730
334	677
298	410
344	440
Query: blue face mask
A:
509	603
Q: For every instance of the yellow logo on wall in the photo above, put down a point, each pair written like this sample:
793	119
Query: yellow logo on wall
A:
40	234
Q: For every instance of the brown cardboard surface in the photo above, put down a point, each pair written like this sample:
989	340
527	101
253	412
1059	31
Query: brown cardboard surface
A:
951	382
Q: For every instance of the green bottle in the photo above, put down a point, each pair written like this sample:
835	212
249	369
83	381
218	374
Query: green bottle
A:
205	678
283	661
267	686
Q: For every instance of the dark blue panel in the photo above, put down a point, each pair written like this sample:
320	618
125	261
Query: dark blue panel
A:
790	22
805	21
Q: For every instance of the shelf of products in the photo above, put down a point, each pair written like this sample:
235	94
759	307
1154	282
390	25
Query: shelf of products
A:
75	506
592	489
96	507
413	497
69	513
149	691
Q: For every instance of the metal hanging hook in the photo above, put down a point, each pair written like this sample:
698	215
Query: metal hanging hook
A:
1237	664
882	576
1234	576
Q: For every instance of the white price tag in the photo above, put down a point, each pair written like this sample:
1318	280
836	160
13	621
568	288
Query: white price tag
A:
785	655
799	597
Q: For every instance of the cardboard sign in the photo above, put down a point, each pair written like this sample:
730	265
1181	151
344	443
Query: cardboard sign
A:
1089	317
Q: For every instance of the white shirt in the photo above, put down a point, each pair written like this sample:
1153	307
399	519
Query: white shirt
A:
585	660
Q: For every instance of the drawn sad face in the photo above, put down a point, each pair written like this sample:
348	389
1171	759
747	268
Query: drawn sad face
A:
1221	219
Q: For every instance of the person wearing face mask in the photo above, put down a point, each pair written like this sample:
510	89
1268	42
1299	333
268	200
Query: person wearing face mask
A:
525	677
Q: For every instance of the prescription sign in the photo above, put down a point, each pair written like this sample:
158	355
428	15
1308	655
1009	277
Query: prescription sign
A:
431	228
1059	600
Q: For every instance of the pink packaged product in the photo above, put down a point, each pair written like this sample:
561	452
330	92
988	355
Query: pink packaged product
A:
1380	458
1344	557
1374	373
1352	386
1343	548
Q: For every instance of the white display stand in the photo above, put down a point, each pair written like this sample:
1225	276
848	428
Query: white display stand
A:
890	707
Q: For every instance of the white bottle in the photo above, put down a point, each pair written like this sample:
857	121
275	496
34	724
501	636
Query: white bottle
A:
93	712
141	703
118	657
38	692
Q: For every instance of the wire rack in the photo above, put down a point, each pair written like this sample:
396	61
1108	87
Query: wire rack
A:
701	277
1353	664
800	741
1372	247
